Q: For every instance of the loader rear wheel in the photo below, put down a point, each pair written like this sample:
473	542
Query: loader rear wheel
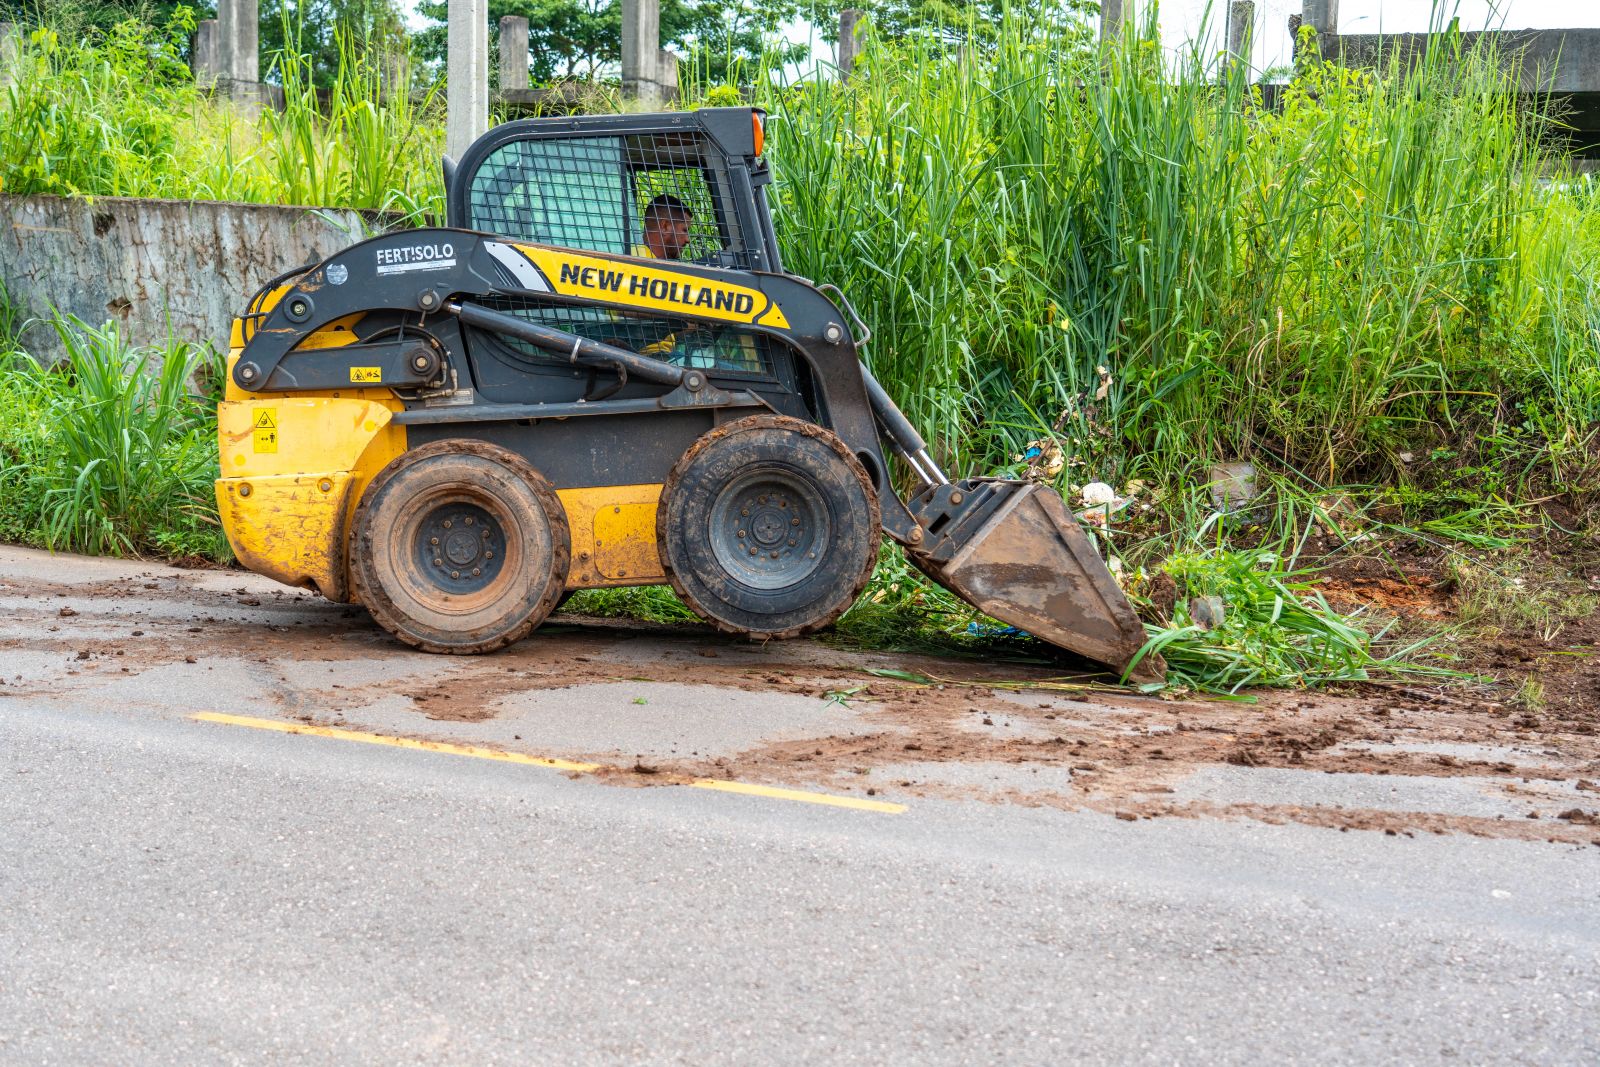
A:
768	527
460	546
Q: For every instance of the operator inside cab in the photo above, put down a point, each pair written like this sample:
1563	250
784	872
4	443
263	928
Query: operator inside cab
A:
666	235
666	228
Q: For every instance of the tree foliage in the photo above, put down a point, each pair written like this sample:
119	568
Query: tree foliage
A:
583	38
314	29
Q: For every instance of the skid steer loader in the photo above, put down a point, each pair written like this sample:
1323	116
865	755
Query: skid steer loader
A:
601	375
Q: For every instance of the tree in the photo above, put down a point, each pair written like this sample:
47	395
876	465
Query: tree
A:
581	38
316	28
954	22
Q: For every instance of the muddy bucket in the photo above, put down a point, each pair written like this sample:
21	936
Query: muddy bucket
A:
1014	551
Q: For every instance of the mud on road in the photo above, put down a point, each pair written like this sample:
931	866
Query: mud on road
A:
666	705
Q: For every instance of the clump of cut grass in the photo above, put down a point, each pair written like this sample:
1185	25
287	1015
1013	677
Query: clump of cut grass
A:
109	451
1275	629
651	603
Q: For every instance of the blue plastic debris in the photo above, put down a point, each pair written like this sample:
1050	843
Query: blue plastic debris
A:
984	629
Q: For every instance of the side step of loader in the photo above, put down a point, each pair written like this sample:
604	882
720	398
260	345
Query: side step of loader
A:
1014	551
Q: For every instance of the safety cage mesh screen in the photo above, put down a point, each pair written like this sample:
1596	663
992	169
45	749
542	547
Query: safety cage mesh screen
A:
720	348
649	195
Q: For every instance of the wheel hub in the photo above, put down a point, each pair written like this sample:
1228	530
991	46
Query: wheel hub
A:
460	547
769	527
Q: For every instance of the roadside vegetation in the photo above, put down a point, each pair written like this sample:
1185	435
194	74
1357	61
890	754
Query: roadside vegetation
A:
1081	265
110	452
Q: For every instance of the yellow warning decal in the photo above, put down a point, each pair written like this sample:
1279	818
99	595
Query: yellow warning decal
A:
366	375
633	284
265	430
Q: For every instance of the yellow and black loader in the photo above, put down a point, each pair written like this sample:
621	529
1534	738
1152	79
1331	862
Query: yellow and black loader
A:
457	426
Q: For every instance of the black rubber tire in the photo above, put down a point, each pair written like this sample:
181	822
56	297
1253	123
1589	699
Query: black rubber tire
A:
788	565
505	501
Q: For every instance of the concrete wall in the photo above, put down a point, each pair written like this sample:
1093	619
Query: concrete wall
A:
1556	61
155	265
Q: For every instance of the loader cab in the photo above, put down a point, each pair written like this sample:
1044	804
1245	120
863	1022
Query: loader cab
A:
586	183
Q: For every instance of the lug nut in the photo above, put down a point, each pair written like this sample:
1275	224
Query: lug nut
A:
438	563
488	555
455	574
741	533
795	521
468	520
476	572
433	540
774	555
447	524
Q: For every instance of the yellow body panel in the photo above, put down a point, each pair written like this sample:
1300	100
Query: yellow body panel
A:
293	470
613	530
290	527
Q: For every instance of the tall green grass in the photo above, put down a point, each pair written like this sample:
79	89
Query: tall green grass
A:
109	451
119	115
1375	267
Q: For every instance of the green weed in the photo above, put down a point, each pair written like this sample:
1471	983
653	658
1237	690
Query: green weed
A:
1275	629
109	451
652	603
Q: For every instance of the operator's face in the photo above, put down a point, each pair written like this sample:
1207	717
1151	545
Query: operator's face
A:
667	233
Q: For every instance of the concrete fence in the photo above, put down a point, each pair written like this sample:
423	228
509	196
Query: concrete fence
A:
158	268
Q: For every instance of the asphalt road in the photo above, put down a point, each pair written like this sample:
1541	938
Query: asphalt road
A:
177	890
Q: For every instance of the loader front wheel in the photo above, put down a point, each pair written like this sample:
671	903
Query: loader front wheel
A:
460	546
768	527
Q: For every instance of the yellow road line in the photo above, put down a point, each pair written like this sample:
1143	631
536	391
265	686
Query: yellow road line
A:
477	752
797	794
396	742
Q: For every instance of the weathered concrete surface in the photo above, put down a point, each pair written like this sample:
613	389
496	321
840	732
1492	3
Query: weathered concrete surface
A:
1554	61
1563	64
159	268
467	70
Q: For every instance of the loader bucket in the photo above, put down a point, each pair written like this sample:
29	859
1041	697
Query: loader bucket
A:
1014	551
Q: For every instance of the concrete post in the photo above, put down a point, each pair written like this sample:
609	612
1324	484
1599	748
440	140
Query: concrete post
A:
1241	23
238	49
513	53
204	61
666	74
467	74
1324	15
641	43
1110	20
849	46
